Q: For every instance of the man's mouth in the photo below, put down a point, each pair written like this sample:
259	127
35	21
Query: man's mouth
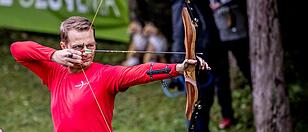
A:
86	59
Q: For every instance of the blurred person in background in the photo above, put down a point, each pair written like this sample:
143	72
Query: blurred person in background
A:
231	21
148	31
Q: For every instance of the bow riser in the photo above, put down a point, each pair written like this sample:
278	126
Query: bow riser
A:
189	73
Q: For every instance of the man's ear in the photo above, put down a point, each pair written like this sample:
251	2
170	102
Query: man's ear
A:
63	45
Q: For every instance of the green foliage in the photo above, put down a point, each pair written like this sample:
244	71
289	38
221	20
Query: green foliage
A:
298	98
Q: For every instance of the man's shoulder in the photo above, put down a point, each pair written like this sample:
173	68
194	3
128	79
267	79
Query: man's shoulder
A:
100	66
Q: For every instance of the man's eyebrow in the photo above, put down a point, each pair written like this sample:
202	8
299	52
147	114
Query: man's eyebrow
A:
77	44
92	43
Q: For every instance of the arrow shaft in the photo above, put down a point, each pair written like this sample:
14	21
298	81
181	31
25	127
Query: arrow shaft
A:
141	52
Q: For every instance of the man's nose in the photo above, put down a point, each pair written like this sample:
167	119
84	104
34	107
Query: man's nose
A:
84	48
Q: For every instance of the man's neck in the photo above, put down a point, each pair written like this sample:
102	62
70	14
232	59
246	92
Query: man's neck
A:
76	69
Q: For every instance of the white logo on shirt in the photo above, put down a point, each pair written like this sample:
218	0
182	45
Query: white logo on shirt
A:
79	86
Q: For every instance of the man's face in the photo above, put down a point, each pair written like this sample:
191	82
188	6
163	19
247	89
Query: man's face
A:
82	40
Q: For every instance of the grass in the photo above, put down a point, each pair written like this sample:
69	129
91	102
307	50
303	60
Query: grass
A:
145	108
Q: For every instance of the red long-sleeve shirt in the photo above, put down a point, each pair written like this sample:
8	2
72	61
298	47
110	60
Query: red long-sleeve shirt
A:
73	107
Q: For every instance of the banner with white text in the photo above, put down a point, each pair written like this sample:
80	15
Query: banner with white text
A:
45	16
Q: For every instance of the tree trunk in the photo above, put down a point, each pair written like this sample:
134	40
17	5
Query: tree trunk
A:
270	100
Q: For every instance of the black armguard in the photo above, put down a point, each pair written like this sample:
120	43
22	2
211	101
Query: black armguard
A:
165	70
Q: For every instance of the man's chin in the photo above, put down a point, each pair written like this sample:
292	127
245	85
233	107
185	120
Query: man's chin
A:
75	66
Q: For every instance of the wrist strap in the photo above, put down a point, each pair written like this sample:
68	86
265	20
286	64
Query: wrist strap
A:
152	72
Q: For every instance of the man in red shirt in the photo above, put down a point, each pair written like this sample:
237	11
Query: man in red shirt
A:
83	91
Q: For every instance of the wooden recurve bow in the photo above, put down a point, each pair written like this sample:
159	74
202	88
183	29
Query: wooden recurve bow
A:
192	101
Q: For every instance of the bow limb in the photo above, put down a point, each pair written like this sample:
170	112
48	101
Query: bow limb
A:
190	71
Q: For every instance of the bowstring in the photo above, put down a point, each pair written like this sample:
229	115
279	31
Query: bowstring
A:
93	20
95	98
86	77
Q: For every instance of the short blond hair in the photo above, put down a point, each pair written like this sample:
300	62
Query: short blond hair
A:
75	22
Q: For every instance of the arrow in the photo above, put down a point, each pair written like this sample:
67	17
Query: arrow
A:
141	52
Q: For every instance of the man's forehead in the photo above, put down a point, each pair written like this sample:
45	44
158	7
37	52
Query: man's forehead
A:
86	35
73	31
